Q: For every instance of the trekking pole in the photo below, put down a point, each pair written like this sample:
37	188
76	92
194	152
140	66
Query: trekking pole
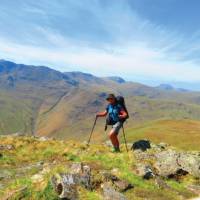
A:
125	138
92	131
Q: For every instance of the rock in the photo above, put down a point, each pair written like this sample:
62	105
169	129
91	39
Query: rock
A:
5	174
109	193
37	178
83	174
65	186
144	171
43	139
1	155
6	147
76	168
162	145
142	156
107	176
170	163
141	144
18	134
16	194
108	143
166	163
194	188
161	183
190	163
122	185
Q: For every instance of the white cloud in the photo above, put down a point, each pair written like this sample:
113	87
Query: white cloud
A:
126	44
128	61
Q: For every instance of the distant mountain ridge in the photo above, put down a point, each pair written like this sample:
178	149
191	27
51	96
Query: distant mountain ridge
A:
43	101
170	87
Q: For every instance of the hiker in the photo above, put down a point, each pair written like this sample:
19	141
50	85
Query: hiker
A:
116	117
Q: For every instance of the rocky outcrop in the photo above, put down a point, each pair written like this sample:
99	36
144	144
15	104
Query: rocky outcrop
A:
161	160
80	175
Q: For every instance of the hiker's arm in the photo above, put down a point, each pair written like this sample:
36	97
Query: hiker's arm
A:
102	114
123	114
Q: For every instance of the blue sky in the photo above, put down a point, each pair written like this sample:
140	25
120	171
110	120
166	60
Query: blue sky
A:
148	41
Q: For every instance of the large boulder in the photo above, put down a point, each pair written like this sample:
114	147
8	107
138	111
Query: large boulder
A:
170	162
166	163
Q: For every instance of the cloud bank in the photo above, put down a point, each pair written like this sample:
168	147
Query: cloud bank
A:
98	36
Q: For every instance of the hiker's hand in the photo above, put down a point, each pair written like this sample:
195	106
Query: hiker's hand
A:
121	116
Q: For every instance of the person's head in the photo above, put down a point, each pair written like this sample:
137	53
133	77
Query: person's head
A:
111	98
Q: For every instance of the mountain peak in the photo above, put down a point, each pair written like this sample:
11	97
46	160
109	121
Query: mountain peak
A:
116	79
165	87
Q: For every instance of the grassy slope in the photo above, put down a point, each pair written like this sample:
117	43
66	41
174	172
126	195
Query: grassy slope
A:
184	134
58	155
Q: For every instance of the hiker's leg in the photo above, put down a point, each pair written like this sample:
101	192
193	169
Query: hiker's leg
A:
114	139
113	134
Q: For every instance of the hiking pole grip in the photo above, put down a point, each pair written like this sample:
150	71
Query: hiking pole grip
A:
92	130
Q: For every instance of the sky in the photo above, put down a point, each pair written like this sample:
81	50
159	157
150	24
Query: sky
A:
147	41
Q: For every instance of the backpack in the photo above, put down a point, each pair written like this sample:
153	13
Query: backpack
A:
120	103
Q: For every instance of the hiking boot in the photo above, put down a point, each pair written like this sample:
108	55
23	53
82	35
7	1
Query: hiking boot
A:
115	150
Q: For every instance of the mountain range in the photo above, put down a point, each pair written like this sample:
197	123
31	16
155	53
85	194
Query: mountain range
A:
41	101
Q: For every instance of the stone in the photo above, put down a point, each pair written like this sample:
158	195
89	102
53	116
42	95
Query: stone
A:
163	145
108	143
161	183
144	171
190	163
194	188
37	178
6	147
65	186
142	145
170	163
5	174
166	163
122	185
43	139
83	174
109	193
